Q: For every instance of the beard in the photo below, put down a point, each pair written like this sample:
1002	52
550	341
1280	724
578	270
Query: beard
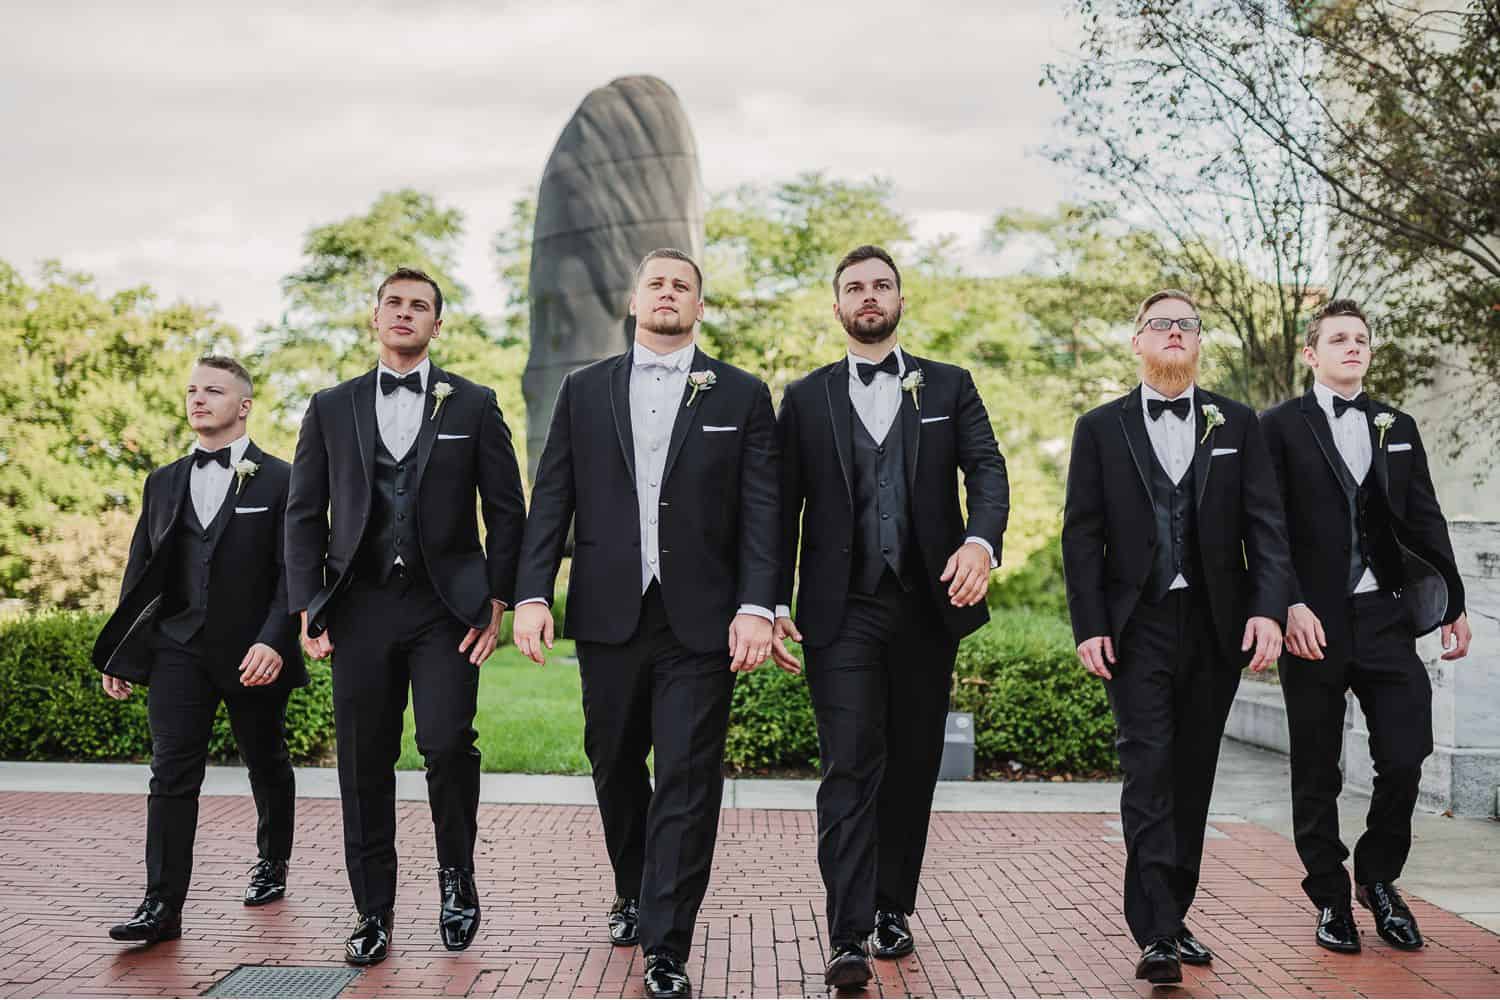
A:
871	329
664	324
1170	375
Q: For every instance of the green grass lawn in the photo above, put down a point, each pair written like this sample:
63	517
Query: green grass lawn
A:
530	718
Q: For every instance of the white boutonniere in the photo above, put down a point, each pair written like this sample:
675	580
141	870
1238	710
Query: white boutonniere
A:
701	382
440	392
1383	422
1211	418
243	470
913	383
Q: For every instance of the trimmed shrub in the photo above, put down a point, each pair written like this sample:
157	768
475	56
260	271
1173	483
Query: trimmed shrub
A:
771	722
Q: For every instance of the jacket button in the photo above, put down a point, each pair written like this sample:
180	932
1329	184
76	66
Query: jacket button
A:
846	549
885	517
401	491
205	536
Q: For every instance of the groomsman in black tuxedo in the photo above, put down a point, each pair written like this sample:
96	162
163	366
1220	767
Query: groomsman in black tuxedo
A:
1175	553
1374	570
202	619
396	586
892	577
664	460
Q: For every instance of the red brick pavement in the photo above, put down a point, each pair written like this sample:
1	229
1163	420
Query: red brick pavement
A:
1014	904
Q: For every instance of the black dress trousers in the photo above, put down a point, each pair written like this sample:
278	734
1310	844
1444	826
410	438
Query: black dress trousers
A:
880	693
181	702
388	637
1171	693
1381	666
653	693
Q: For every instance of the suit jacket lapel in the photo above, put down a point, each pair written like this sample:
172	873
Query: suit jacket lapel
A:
1203	446
1377	451
233	497
432	421
364	422
687	417
1317	422
841	412
911	423
1133	423
619	402
177	484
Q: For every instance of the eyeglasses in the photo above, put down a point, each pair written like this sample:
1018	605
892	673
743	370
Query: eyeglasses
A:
1188	324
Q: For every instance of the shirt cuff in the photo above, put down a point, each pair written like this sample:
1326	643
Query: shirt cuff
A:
757	611
783	611
534	600
1299	604
987	547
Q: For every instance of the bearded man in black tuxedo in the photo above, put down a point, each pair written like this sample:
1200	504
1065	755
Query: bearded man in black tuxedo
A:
1374	570
664	461
203	618
892	577
397	587
1175	554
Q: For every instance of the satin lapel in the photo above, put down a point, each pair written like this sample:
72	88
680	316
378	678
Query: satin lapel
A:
687	416
1317	422
619	402
1203	443
432	421
1133	424
237	496
841	413
178	487
364	423
911	424
1377	451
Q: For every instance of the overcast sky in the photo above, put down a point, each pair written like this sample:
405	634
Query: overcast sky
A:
192	146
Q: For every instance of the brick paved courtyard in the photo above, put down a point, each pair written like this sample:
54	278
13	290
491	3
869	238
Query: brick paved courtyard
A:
1014	904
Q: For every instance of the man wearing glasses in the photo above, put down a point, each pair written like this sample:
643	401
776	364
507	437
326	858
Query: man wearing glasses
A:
1175	554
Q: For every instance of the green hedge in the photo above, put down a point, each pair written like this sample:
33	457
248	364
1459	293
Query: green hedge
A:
52	706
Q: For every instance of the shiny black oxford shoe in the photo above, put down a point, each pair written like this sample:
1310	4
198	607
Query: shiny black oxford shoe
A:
154	920
267	882
458	917
371	941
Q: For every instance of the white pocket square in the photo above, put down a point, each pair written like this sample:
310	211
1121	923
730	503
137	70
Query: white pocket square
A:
1224	451
1403	446
251	510
452	437
710	428
932	420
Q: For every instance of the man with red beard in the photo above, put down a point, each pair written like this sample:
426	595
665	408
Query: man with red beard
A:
1175	553
892	577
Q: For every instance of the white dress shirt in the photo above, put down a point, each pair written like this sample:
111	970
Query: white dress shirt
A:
1351	435
1172	440
399	415
209	484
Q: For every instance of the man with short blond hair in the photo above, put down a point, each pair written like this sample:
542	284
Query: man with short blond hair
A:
1175	555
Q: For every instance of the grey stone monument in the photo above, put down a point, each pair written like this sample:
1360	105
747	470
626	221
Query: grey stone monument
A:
622	180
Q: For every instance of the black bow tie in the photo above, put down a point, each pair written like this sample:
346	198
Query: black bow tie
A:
202	458
1360	402
411	380
866	370
1182	406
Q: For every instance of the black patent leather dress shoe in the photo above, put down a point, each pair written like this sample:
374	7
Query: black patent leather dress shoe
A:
1191	951
666	976
891	937
1393	919
1160	963
458	919
371	941
1337	930
155	920
625	921
267	882
848	969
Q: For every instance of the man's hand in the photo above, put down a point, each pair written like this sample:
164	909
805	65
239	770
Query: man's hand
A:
261	666
1304	633
1265	636
319	648
1459	634
969	571
749	642
532	629
783	630
117	688
1096	654
486	639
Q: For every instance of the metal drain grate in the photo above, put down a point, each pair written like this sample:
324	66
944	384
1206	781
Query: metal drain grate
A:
283	981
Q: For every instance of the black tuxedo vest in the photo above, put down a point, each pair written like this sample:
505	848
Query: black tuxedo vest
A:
1176	514
189	569
391	530
882	510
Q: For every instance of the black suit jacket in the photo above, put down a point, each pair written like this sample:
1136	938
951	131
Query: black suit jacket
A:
463	448
1412	551
247	581
718	512
950	431
1109	524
